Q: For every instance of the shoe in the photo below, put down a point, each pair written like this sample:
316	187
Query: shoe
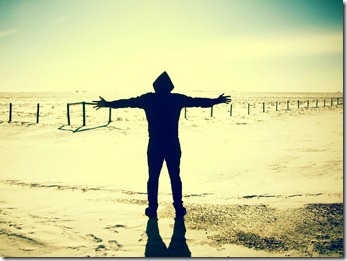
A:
181	212
151	213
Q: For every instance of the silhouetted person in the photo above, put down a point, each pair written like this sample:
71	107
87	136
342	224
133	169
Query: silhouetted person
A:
163	110
156	247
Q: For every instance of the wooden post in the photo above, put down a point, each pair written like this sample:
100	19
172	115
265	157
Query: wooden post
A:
38	113
109	115
317	103
68	114
298	104
10	112
308	103
331	102
263	106
212	111
288	105
231	110
277	106
337	101
249	108
324	102
84	113
185	112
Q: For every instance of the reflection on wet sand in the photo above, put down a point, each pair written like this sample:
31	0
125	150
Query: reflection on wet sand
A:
155	246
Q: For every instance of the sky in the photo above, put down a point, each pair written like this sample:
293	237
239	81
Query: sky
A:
204	45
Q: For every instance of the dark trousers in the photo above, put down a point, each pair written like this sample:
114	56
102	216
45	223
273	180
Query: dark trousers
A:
157	152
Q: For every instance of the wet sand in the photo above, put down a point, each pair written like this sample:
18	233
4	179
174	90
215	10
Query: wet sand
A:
52	221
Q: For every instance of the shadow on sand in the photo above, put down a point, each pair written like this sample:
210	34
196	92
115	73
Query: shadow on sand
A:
155	246
82	128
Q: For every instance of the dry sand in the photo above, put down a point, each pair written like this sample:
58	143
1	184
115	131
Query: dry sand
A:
269	185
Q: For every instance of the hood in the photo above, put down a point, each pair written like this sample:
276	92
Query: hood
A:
163	84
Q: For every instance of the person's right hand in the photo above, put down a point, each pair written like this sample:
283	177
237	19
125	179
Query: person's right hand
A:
224	99
100	104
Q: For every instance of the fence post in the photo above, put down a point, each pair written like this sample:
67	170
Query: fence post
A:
185	113
84	113
109	115
298	104
277	106
288	105
337	101
212	111
324	102
68	114
308	103
10	112
249	107
263	106
231	110
317	103
38	113
331	102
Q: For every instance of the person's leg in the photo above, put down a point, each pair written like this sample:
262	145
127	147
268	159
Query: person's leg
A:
155	159
173	158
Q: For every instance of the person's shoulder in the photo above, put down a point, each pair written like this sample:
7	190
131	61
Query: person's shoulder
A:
180	99
146	98
146	95
178	95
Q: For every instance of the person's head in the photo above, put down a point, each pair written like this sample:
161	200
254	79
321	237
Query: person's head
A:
163	84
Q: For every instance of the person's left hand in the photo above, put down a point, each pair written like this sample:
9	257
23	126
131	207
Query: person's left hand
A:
224	99
100	104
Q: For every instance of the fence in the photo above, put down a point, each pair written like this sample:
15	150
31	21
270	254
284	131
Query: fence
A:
338	100
37	113
250	107
84	112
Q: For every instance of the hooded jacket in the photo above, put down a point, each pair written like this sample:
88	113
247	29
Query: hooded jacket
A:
162	108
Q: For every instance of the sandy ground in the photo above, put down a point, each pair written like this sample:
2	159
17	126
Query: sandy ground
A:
265	186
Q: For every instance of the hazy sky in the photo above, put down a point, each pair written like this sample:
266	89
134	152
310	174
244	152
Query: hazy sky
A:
231	45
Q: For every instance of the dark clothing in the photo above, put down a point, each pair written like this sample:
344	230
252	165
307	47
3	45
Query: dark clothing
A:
163	112
156	154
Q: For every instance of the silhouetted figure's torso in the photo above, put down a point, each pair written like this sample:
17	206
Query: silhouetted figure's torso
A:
163	112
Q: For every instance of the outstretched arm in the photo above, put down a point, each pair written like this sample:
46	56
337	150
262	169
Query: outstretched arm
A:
123	103
205	102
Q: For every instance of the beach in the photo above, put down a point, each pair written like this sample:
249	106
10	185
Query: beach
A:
259	183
